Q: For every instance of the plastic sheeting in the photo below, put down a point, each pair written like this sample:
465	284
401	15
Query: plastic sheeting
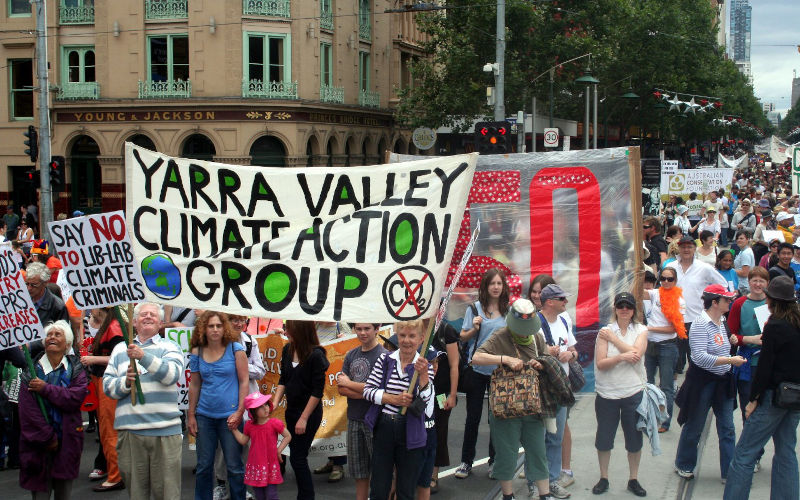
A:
567	213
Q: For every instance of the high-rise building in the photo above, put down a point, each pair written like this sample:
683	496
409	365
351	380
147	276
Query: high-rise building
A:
271	83
740	27
767	107
795	89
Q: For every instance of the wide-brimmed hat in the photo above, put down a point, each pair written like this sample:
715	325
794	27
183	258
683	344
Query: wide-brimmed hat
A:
781	289
522	318
256	400
682	209
784	216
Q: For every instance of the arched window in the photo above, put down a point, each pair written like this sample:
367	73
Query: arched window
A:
198	147
268	151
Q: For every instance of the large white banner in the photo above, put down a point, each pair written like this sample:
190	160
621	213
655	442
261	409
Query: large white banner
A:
353	243
696	180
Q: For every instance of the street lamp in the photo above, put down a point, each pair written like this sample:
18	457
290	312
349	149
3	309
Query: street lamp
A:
588	80
628	96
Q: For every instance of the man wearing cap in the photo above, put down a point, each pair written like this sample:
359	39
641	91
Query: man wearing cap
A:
12	223
693	277
557	331
149	439
654	242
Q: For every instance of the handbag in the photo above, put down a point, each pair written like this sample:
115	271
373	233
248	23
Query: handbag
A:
787	396
514	393
576	377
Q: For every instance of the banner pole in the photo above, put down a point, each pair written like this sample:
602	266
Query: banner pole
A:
127	335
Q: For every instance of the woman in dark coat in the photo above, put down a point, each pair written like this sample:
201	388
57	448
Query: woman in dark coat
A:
50	449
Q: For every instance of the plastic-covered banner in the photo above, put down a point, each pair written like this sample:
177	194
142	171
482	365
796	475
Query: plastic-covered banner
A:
327	244
575	215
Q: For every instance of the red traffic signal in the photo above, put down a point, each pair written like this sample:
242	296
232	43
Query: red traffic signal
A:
492	137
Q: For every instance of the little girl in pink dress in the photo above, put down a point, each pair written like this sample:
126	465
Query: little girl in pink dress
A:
263	470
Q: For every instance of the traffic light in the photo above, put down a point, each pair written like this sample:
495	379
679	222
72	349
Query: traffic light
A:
57	172
493	137
32	142
32	177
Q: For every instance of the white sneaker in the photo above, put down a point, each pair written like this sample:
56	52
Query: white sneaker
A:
757	467
558	491
686	474
532	494
566	479
221	492
463	471
491	471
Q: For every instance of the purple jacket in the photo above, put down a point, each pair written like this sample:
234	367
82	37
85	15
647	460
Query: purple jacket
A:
37	464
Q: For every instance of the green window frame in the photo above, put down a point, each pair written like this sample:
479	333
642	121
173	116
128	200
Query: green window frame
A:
20	85
19	8
168	57
365	19
326	63
326	14
78	64
363	71
267	57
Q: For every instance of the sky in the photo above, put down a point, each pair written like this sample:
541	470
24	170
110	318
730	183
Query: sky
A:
774	22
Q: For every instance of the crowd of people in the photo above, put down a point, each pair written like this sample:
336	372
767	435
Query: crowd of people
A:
699	314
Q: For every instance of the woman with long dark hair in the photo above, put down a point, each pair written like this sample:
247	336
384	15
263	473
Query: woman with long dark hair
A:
777	364
480	320
303	366
217	390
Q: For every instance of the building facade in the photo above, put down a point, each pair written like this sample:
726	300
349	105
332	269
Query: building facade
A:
255	82
740	28
795	90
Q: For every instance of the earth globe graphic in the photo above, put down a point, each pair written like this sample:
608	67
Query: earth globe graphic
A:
161	275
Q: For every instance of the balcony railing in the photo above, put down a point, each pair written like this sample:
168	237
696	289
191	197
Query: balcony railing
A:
168	89
79	90
331	94
277	8
76	15
326	20
166	9
364	30
369	99
269	90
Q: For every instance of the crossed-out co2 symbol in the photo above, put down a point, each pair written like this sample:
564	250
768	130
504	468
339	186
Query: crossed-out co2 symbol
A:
676	183
408	292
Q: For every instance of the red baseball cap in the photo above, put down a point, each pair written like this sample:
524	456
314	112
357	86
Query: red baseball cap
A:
718	290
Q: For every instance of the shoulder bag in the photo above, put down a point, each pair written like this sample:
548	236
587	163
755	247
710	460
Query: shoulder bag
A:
787	396
514	393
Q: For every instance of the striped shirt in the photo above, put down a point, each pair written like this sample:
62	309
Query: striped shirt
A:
709	341
159	371
397	382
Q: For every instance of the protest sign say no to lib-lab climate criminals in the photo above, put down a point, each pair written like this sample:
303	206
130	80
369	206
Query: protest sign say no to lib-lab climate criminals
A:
98	262
327	244
19	322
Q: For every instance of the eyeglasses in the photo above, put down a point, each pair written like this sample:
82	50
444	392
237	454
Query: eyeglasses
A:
668	279
560	299
624	306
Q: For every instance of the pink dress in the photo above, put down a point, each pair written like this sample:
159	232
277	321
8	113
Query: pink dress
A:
263	467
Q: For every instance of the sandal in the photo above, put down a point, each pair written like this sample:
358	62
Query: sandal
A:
434	485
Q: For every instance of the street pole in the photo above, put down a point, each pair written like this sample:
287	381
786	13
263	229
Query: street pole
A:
586	118
46	201
500	59
552	104
520	131
533	125
596	130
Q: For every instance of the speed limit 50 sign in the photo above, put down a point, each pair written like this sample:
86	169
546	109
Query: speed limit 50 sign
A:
551	137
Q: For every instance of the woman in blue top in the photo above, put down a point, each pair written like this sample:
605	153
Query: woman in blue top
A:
217	390
724	266
481	319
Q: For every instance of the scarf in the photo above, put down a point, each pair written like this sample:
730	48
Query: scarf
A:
521	339
671	308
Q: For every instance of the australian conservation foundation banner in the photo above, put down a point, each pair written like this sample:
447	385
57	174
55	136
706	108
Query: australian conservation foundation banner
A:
327	244
696	180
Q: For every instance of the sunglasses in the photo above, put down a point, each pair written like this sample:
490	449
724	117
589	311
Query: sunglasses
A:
624	306
668	279
647	227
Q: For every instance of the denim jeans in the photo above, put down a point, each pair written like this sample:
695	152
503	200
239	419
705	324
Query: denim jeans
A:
552	443
211	431
665	360
766	422
390	452
299	446
476	384
686	458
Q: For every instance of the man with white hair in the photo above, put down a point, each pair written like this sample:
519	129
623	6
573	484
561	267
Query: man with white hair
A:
149	435
49	307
